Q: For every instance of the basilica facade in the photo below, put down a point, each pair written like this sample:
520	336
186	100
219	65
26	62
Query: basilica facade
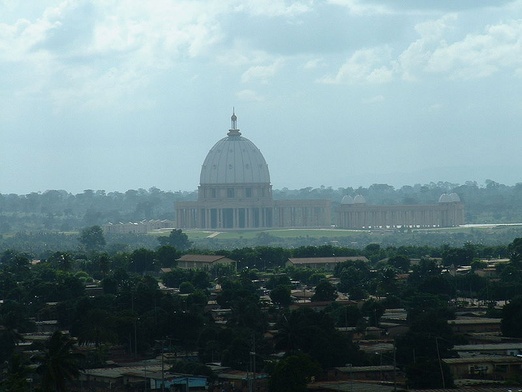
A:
235	193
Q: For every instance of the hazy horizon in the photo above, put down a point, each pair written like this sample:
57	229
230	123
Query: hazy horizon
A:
118	95
398	186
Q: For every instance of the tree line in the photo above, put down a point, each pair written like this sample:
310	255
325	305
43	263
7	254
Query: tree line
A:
60	210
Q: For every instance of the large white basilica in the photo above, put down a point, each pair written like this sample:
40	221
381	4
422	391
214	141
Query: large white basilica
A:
235	193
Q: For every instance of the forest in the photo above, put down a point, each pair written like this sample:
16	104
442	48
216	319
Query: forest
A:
62	211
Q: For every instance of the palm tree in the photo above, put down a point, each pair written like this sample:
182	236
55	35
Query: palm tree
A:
16	378
58	364
96	327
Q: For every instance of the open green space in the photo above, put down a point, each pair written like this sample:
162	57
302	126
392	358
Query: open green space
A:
328	233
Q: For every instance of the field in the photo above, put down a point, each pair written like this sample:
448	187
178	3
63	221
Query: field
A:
279	233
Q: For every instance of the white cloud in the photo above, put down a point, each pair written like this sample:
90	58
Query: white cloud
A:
249	96
314	63
419	52
274	7
261	73
437	53
241	54
358	7
476	55
133	37
364	66
480	55
434	30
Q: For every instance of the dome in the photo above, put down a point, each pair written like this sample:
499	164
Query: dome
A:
454	197
347	200
234	160
359	199
444	198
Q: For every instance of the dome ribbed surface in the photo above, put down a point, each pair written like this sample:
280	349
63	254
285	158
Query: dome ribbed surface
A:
234	160
347	200
454	197
359	199
444	198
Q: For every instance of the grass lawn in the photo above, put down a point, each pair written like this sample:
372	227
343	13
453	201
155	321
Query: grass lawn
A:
320	233
279	233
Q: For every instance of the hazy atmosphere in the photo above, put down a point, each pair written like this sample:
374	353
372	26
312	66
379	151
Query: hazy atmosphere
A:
119	95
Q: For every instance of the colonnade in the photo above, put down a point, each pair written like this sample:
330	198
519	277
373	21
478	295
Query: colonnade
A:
362	216
224	217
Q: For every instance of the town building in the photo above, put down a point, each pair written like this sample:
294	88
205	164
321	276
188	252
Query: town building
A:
192	261
322	263
506	349
475	324
485	367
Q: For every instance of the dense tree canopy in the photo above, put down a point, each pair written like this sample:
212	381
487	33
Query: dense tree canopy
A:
135	306
92	238
293	373
176	239
512	318
58	364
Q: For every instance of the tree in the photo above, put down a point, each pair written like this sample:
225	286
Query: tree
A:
16	378
176	239
13	322
314	333
373	310
142	260
400	262
437	285
422	303
478	264
167	256
200	280
429	337
388	280
292	373
354	278
280	295
95	326
324	291
426	268
512	318
186	288
278	280
175	277
457	256
426	374
345	316
58	364
92	238
61	260
515	251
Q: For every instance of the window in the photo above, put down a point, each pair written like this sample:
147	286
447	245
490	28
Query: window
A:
230	192
248	192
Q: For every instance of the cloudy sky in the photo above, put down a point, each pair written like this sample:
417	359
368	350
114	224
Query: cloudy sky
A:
127	94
